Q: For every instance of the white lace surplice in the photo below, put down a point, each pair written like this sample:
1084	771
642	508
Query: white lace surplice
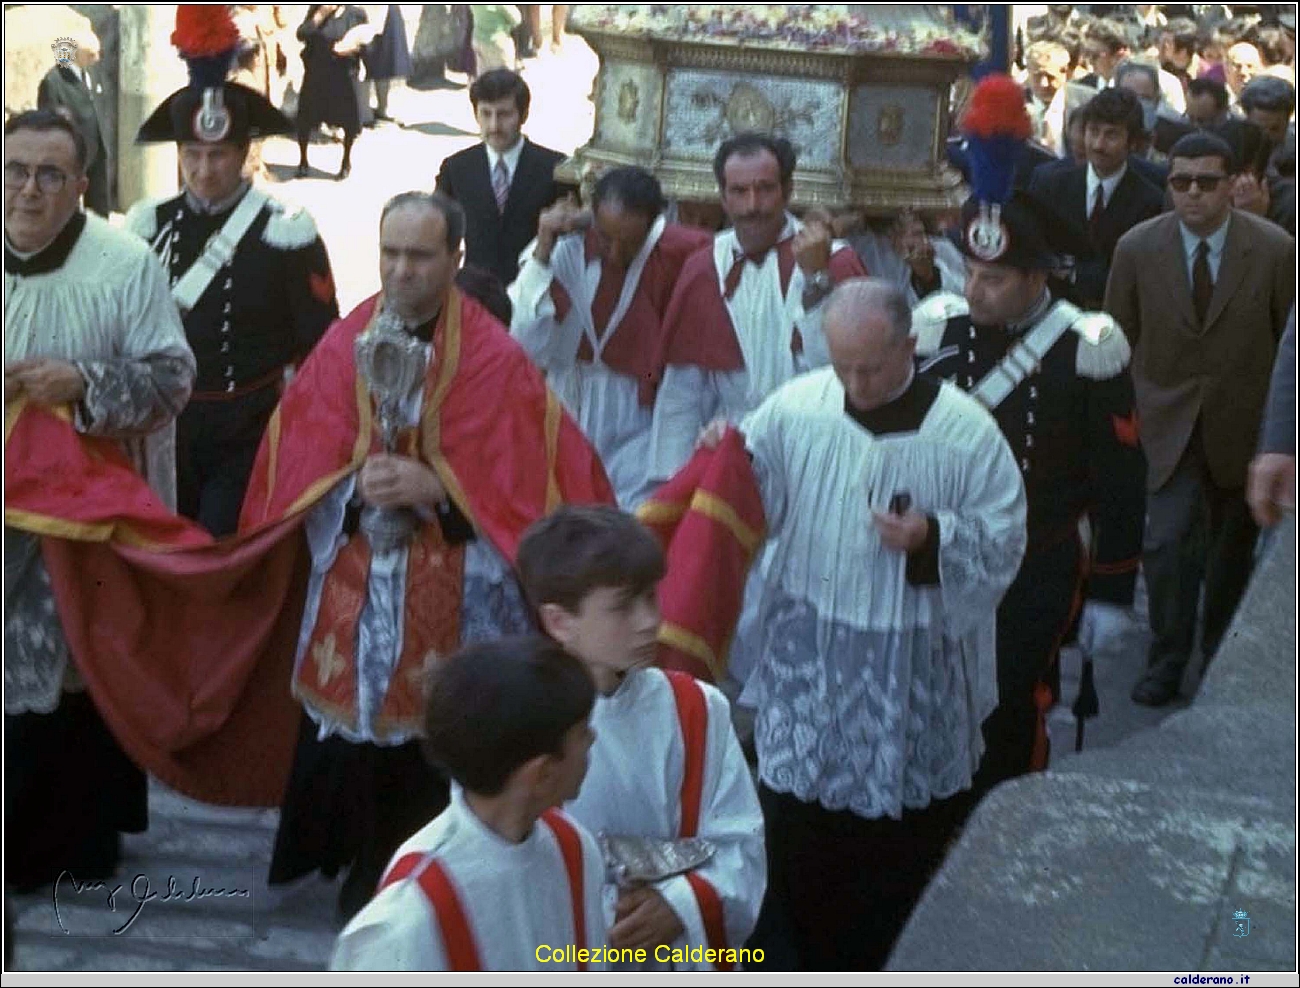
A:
871	691
107	308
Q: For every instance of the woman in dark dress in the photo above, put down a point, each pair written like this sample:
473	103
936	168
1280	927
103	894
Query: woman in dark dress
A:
388	57
330	77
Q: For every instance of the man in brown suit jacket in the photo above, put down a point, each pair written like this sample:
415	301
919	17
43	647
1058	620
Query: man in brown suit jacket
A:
1203	294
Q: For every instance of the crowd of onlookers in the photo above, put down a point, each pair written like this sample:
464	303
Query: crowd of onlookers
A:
1204	65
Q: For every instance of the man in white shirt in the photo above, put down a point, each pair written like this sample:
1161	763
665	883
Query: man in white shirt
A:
746	314
1106	197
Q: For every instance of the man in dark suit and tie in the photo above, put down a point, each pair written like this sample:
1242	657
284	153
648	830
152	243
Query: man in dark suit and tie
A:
1106	197
1203	294
504	183
67	89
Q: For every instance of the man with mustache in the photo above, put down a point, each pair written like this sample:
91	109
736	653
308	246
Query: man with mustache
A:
746	315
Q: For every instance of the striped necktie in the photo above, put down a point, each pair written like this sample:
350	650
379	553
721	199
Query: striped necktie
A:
501	184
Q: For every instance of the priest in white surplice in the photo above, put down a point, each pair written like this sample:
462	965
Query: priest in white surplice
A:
90	325
589	307
898	516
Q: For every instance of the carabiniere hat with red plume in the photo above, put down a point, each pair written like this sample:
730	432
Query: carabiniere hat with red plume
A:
1000	224
210	109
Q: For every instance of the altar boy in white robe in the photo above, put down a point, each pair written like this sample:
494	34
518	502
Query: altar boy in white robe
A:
898	515
589	307
666	763
500	880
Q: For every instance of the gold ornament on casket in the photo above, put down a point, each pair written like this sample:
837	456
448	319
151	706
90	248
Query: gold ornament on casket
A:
863	93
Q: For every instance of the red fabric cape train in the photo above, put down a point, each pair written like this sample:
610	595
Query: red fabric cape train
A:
186	644
710	519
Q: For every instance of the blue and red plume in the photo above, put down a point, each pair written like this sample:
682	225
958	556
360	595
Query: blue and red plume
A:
996	126
207	38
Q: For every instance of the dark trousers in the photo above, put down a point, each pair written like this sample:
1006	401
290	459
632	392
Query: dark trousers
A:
96	197
840	887
1033	618
216	444
1176	561
351	806
69	792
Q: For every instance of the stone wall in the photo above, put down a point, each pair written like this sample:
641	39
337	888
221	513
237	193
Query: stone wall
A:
1139	857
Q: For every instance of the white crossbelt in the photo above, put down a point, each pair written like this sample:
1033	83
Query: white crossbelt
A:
1025	356
218	251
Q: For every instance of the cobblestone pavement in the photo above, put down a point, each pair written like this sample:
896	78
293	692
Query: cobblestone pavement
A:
205	866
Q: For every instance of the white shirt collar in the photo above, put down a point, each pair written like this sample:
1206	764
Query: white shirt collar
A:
1108	185
1216	239
511	157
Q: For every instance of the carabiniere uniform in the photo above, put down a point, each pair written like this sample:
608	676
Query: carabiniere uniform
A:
1058	385
253	282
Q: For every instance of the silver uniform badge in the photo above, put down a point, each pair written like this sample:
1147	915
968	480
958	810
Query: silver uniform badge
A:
212	119
987	235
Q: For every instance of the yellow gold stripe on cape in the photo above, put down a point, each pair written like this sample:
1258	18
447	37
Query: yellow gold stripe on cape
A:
675	636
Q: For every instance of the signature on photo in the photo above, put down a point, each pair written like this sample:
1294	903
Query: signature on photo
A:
134	896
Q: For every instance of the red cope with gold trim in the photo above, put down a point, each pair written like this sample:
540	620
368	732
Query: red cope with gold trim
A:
479	430
185	643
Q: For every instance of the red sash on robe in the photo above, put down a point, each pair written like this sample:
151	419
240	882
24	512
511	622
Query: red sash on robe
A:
710	520
697	326
639	336
187	644
453	925
693	719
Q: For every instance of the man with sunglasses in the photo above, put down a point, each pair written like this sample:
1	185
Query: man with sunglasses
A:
91	333
1203	295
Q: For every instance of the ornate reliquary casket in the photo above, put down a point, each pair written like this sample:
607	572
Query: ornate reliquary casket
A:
862	92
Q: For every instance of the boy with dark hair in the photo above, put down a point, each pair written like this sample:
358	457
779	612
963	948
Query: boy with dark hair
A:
500	873
591	573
